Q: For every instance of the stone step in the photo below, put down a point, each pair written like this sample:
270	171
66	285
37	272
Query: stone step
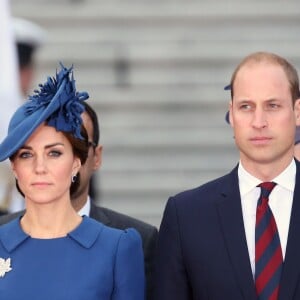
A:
158	12
176	54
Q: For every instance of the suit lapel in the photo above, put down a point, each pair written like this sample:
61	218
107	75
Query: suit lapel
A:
231	219
291	267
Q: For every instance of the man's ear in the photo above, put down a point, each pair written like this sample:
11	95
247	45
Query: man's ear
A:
297	111
97	157
230	114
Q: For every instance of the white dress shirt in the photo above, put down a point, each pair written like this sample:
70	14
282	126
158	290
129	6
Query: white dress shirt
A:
280	202
85	210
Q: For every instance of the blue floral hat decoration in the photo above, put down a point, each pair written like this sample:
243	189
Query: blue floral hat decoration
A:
57	103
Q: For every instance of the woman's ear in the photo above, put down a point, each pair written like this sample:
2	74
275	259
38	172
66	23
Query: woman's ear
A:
76	165
13	169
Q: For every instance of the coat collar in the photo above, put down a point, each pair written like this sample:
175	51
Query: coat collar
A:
12	235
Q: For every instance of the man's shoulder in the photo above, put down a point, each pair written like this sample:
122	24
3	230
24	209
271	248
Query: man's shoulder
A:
209	187
9	217
205	194
122	221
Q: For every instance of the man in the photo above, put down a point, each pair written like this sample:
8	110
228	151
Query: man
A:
83	204
28	38
210	243
9	91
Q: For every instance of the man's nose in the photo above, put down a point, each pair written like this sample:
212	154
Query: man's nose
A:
259	118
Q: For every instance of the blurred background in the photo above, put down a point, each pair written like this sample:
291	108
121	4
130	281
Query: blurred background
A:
156	72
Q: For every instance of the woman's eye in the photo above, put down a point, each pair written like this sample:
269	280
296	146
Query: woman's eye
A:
55	153
24	154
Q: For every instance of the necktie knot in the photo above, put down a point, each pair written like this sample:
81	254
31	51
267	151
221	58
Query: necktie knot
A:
266	188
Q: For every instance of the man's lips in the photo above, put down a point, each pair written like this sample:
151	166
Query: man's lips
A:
260	139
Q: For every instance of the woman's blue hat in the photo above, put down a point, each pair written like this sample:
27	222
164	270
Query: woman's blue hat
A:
57	103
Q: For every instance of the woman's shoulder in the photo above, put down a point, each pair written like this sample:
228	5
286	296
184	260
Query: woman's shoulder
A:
91	230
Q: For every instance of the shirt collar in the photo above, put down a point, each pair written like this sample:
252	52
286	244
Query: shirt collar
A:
85	210
286	179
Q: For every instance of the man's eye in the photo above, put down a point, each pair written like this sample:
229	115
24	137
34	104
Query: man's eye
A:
245	106
273	105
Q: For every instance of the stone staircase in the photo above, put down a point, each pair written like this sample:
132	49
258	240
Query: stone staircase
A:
155	71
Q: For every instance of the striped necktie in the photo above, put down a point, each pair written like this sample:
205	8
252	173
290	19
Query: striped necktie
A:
268	254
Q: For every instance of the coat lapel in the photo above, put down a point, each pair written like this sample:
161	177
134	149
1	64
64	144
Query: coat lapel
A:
231	219
291	267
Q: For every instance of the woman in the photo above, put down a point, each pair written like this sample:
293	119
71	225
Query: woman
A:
52	252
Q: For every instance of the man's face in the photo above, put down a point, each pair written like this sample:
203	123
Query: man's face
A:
93	161
262	115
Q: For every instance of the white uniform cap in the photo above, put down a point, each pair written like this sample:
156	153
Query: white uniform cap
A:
29	33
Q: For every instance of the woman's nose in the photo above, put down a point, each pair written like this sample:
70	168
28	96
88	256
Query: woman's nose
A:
40	164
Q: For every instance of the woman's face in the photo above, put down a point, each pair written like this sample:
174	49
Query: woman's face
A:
44	166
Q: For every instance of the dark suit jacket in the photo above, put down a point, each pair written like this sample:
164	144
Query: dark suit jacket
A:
116	220
202	250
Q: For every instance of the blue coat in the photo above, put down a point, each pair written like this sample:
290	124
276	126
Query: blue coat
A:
93	262
115	219
202	249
